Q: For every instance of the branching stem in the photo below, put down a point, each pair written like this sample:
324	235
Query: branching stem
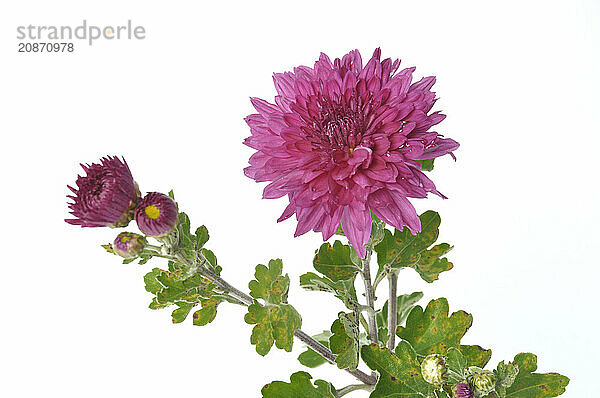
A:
299	334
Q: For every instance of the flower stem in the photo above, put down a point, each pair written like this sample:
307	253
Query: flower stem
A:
353	387
299	334
392	309
370	295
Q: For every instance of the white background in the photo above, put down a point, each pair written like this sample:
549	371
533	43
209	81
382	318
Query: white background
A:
517	79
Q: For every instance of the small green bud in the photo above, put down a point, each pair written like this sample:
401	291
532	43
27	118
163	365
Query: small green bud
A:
128	244
483	381
434	369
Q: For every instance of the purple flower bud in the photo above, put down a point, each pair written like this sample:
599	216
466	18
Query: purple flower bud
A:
462	390
156	215
106	196
129	244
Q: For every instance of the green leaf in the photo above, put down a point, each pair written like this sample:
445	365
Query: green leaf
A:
274	324
344	290
377	230
344	341
426	165
207	313
334	261
311	358
457	365
403	249
300	386
201	236
155	305
172	288
182	312
535	385
400	374
430	265
506	374
475	355
152	284
270	284
405	303
432	331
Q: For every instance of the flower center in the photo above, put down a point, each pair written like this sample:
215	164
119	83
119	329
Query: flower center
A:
339	127
152	212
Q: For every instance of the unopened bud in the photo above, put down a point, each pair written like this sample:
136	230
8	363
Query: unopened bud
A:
483	381
129	244
462	390
434	369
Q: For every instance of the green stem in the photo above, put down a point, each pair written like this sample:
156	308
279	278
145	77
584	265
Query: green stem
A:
392	309
353	387
370	295
247	300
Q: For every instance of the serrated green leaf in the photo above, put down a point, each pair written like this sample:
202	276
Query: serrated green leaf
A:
310	358
335	262
344	290
535	385
270	284
426	165
402	249
274	324
171	194
430	265
171	288
400	373
432	331
155	305
457	365
152	284
179	314
475	355
344	341
300	386
506	374
405	303
207	313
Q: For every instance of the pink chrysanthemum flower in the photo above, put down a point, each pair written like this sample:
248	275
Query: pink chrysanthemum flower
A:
106	196
343	139
156	215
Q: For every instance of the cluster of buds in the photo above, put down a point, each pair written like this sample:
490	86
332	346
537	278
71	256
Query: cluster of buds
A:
107	196
478	382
